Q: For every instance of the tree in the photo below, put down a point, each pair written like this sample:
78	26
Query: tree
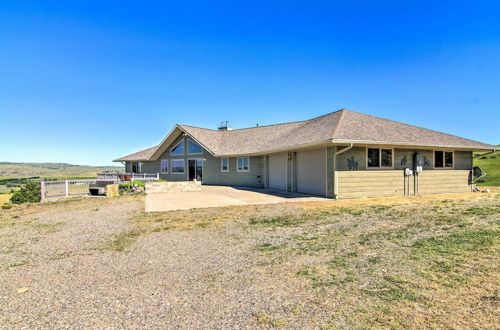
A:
29	193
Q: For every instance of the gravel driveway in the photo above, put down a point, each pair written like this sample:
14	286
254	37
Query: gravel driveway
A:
196	278
105	263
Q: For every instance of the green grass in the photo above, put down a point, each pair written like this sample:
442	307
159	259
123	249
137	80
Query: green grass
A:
491	165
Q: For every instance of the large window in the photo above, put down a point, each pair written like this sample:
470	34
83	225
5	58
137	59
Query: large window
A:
136	167
443	159
224	164
194	148
379	158
164	166
177	166
178	149
243	164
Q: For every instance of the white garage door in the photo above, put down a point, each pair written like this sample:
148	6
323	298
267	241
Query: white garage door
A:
311	172
277	171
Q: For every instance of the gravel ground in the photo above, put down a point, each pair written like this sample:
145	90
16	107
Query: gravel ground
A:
208	268
178	279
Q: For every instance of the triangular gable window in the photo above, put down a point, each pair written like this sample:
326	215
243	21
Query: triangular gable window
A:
194	148
178	149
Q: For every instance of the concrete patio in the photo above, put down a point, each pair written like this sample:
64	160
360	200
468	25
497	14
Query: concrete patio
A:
217	196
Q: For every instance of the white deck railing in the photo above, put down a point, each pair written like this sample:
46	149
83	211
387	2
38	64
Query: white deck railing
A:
80	187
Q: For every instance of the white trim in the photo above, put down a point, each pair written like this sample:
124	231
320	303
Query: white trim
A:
195	153
172	149
161	166
444	160
380	167
412	145
221	160
237	165
172	167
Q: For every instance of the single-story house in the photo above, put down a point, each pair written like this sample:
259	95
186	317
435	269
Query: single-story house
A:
343	154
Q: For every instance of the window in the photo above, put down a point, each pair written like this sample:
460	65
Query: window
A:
373	157
136	167
443	159
178	149
224	164
243	164
386	157
379	158
177	166
194	148
164	166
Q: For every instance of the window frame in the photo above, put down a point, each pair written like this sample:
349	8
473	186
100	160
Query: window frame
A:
161	166
194	153
138	167
222	166
380	167
172	149
444	159
238	165
183	160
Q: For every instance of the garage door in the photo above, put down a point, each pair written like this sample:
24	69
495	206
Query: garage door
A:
277	171
311	172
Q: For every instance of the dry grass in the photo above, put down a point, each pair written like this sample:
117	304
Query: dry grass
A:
4	198
416	262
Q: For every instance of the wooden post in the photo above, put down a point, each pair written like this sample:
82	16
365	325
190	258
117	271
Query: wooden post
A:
157	176
42	191
66	188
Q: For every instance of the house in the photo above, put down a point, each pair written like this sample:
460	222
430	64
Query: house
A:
343	154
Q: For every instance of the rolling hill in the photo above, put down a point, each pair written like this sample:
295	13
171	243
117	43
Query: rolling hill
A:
52	170
491	165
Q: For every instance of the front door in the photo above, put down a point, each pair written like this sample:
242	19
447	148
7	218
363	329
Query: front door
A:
195	169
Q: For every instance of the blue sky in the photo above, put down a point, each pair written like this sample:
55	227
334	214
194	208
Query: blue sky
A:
86	82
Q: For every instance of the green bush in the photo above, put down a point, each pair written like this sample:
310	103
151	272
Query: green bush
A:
132	187
29	193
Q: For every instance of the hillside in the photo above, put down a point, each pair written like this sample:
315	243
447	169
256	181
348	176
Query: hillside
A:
52	170
491	165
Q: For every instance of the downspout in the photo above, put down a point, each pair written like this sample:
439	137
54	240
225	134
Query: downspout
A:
345	149
335	175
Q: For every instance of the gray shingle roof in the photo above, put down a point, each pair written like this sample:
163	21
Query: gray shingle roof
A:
140	155
343	126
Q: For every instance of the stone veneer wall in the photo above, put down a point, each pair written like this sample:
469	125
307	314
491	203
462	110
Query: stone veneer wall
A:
165	187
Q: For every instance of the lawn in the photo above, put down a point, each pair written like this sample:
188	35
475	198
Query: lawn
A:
491	165
417	262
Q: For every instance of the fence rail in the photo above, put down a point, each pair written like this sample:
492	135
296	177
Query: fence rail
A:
119	177
65	188
68	188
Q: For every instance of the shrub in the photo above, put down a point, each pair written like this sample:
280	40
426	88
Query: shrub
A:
29	193
132	187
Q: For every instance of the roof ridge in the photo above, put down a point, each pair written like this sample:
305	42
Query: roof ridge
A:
336	128
208	129
290	122
428	129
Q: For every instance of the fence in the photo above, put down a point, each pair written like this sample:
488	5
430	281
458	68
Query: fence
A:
120	177
68	188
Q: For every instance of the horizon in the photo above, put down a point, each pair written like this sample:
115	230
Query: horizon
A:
86	83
